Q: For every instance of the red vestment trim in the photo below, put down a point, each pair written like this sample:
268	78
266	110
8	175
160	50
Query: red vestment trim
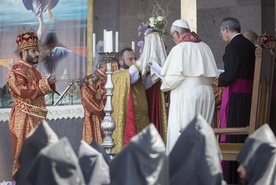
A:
153	98
131	125
191	37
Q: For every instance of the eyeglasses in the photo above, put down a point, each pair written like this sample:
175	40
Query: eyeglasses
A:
172	34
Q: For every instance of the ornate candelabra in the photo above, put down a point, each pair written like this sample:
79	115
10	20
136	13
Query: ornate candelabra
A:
108	125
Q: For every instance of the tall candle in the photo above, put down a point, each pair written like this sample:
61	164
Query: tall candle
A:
116	41
109	41
104	40
133	46
94	45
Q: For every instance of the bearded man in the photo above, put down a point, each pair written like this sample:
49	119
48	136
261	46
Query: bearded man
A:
93	98
129	99
27	88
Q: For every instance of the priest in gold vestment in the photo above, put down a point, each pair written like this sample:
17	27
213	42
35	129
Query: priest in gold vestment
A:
93	97
27	88
129	100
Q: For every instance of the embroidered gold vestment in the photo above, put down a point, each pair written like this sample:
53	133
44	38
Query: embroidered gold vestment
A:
121	81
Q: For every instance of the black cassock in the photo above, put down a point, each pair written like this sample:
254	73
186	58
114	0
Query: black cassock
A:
239	63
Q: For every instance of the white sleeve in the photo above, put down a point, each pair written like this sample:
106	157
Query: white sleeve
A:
134	74
171	82
155	68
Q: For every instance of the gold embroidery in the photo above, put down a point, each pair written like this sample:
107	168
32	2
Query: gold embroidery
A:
119	101
141	105
31	109
121	80
29	105
44	86
93	114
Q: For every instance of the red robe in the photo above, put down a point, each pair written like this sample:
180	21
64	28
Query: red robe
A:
157	109
93	105
27	89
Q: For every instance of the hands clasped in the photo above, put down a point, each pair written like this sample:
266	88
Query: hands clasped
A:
95	78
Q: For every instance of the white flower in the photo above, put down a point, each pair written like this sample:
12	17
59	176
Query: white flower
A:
151	20
160	18
151	24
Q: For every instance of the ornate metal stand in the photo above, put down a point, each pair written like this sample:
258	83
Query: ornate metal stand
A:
108	125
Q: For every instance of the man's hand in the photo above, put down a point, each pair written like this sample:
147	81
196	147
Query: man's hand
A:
51	79
156	69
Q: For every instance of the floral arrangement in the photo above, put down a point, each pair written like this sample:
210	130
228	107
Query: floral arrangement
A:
155	24
267	42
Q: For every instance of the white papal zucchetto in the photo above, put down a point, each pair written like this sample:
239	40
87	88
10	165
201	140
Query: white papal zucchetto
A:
181	23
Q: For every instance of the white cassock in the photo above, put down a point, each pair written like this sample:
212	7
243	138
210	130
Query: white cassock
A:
188	73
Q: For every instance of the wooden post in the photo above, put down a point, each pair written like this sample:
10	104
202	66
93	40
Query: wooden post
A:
189	13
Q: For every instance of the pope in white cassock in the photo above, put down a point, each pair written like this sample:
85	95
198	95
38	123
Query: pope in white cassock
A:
188	73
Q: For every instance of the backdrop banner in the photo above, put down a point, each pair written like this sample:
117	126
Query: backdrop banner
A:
62	28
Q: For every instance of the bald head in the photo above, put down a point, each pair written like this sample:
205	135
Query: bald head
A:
251	35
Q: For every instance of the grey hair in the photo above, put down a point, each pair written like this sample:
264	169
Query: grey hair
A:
179	30
231	23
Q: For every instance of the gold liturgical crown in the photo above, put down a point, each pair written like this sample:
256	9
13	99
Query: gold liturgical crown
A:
27	40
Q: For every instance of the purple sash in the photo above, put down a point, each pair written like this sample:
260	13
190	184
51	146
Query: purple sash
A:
239	86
